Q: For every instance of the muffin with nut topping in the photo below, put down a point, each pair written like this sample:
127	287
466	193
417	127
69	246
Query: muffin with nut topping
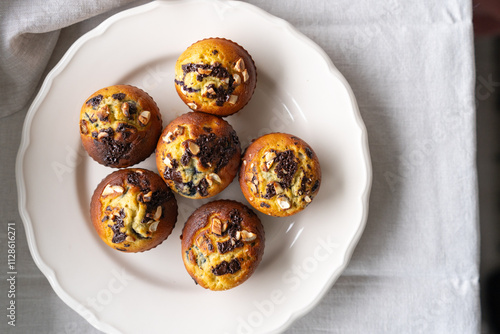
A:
120	125
222	244
216	76
198	155
280	174
133	210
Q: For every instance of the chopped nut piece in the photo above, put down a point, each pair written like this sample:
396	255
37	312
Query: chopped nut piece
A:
255	181
125	109
248	236
109	189
211	91
278	188
214	177
192	105
179	130
194	148
240	65
238	235
204	71
103	112
237	79
269	156
83	127
157	213
284	202
245	76
308	199
130	239
153	226
102	134
233	99
233	242
226	80
167	162
244	162
253	188
144	117
269	159
147	197
168	137
216	226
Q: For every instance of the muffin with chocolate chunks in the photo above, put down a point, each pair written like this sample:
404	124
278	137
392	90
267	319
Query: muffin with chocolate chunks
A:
216	76
280	174
222	244
120	125
198	155
133	210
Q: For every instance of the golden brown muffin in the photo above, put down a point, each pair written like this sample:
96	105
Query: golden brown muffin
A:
280	174
133	210
198	155
120	125
215	76
222	244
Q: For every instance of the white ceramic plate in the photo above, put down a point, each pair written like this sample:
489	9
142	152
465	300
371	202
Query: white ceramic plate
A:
299	91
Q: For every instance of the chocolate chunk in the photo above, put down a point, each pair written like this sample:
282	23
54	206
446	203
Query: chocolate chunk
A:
309	152
286	167
315	186
113	150
104	218
158	198
227	246
126	130
303	184
217	151
132	107
118	96
207	129
139	180
234	224
202	188
270	192
221	94
172	174
186	88
118	236
226	267
214	52
263	204
186	158
95	101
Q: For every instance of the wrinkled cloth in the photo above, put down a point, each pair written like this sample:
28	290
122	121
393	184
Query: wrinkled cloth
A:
411	67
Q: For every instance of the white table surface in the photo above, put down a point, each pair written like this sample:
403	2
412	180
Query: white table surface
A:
410	65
